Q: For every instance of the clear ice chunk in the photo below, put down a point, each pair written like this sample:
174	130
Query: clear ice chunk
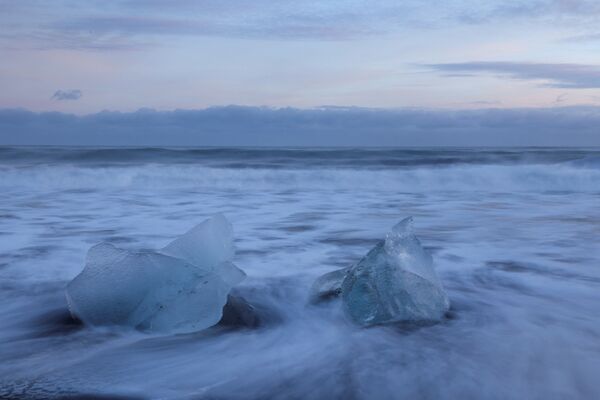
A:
394	282
209	243
328	286
181	288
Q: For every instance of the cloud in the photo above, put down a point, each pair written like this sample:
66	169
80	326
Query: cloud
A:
590	37
124	24
561	98
328	126
60	95
485	103
553	12
132	24
568	76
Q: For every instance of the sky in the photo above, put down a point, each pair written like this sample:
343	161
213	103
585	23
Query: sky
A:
331	59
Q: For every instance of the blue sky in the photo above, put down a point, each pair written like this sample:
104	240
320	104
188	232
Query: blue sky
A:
83	57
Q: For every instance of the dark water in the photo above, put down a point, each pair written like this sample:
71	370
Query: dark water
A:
514	235
294	157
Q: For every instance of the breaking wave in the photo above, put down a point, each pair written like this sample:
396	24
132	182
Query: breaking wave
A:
499	178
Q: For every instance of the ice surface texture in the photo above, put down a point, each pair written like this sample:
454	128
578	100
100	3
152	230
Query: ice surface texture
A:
394	282
180	288
328	286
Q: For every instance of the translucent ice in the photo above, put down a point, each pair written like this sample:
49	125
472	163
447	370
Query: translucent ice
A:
328	285
394	282
181	288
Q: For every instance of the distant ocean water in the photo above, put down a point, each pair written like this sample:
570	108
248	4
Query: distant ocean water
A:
513	231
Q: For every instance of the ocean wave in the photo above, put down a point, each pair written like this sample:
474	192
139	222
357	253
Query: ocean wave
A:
494	178
587	162
302	158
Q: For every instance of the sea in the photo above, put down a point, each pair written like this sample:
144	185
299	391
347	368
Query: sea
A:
514	234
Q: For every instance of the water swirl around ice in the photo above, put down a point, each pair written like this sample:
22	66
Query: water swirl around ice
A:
513	232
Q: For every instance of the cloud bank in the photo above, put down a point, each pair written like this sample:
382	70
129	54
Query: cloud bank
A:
327	126
567	76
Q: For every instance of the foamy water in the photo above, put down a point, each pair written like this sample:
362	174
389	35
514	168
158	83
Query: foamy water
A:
514	235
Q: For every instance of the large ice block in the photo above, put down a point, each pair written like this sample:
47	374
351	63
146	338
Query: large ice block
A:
181	288
394	282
